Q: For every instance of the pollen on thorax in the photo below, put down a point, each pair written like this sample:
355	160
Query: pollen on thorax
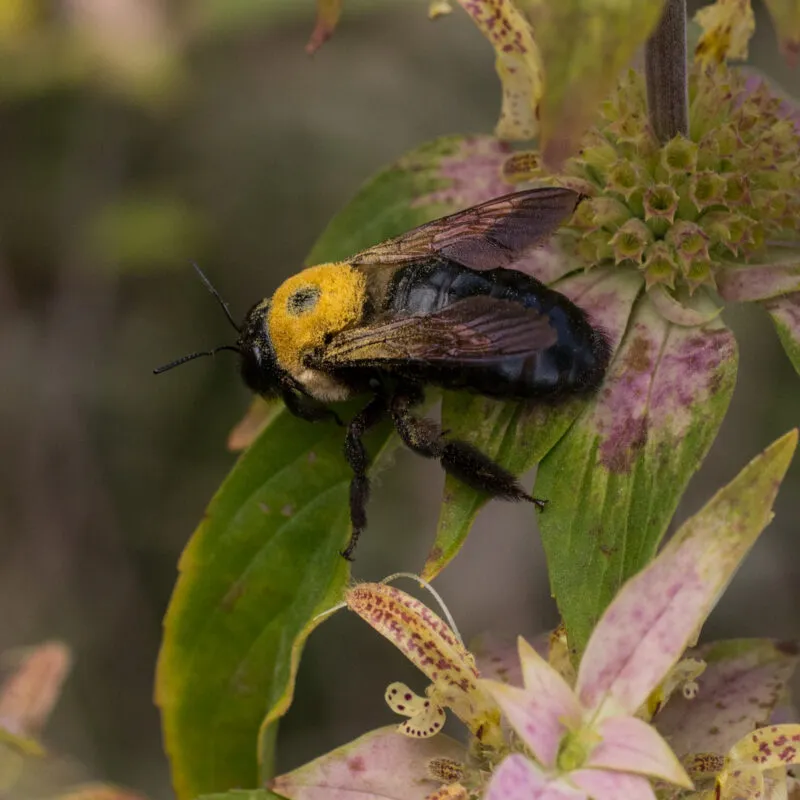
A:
312	305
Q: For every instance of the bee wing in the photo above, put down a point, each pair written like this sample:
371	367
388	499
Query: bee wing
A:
492	234
477	329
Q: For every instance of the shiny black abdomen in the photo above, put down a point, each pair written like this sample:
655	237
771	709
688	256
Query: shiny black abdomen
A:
573	365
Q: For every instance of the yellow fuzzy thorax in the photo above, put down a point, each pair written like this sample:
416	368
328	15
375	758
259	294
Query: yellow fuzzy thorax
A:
311	305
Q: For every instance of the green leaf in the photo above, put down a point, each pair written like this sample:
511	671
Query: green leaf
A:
265	561
614	480
519	435
242	794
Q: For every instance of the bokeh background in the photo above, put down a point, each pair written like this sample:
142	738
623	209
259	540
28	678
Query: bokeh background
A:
137	135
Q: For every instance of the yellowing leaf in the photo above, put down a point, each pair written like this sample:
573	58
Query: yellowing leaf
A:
727	27
518	64
584	44
786	17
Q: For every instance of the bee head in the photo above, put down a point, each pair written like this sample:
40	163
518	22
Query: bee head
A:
260	370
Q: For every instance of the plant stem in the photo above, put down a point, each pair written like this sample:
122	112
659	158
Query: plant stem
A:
665	68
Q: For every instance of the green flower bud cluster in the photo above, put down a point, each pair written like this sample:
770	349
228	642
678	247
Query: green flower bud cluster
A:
677	211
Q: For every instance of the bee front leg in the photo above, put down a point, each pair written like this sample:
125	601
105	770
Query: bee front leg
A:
307	408
459	459
358	459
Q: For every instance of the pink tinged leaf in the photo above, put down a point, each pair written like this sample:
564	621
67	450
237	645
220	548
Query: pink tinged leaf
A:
785	314
602	785
380	765
648	427
743	682
631	745
583	66
472	174
658	612
786	17
426	717
328	14
518	778
759	281
641	635
517	61
543	711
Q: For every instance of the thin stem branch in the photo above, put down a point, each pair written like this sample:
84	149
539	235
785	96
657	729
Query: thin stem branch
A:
665	68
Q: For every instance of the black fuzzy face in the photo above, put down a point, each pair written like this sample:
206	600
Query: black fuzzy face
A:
260	370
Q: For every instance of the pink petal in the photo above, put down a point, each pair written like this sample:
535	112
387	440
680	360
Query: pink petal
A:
631	745
517	778
600	785
541	712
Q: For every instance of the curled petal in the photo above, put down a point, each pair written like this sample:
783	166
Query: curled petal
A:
727	27
518	64
427	641
766	748
631	745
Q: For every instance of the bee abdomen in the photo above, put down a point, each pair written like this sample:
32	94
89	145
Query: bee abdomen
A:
574	364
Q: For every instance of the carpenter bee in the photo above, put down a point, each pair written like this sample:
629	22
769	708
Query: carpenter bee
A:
440	305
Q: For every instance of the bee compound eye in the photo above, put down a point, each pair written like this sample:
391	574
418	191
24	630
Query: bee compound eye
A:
303	300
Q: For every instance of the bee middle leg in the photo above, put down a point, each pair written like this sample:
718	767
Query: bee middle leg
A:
358	459
459	459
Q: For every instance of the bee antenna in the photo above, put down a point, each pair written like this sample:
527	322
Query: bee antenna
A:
192	356
217	296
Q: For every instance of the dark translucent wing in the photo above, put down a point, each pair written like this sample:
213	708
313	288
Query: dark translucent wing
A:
493	234
477	329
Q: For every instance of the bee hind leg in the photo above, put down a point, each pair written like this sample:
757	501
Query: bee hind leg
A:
459	459
358	459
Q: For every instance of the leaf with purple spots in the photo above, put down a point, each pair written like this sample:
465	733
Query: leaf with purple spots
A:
517	61
741	686
518	435
614	480
785	314
380	765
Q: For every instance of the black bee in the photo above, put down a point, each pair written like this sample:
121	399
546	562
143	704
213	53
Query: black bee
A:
440	305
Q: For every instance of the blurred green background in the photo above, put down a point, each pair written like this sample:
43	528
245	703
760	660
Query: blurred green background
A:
137	135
